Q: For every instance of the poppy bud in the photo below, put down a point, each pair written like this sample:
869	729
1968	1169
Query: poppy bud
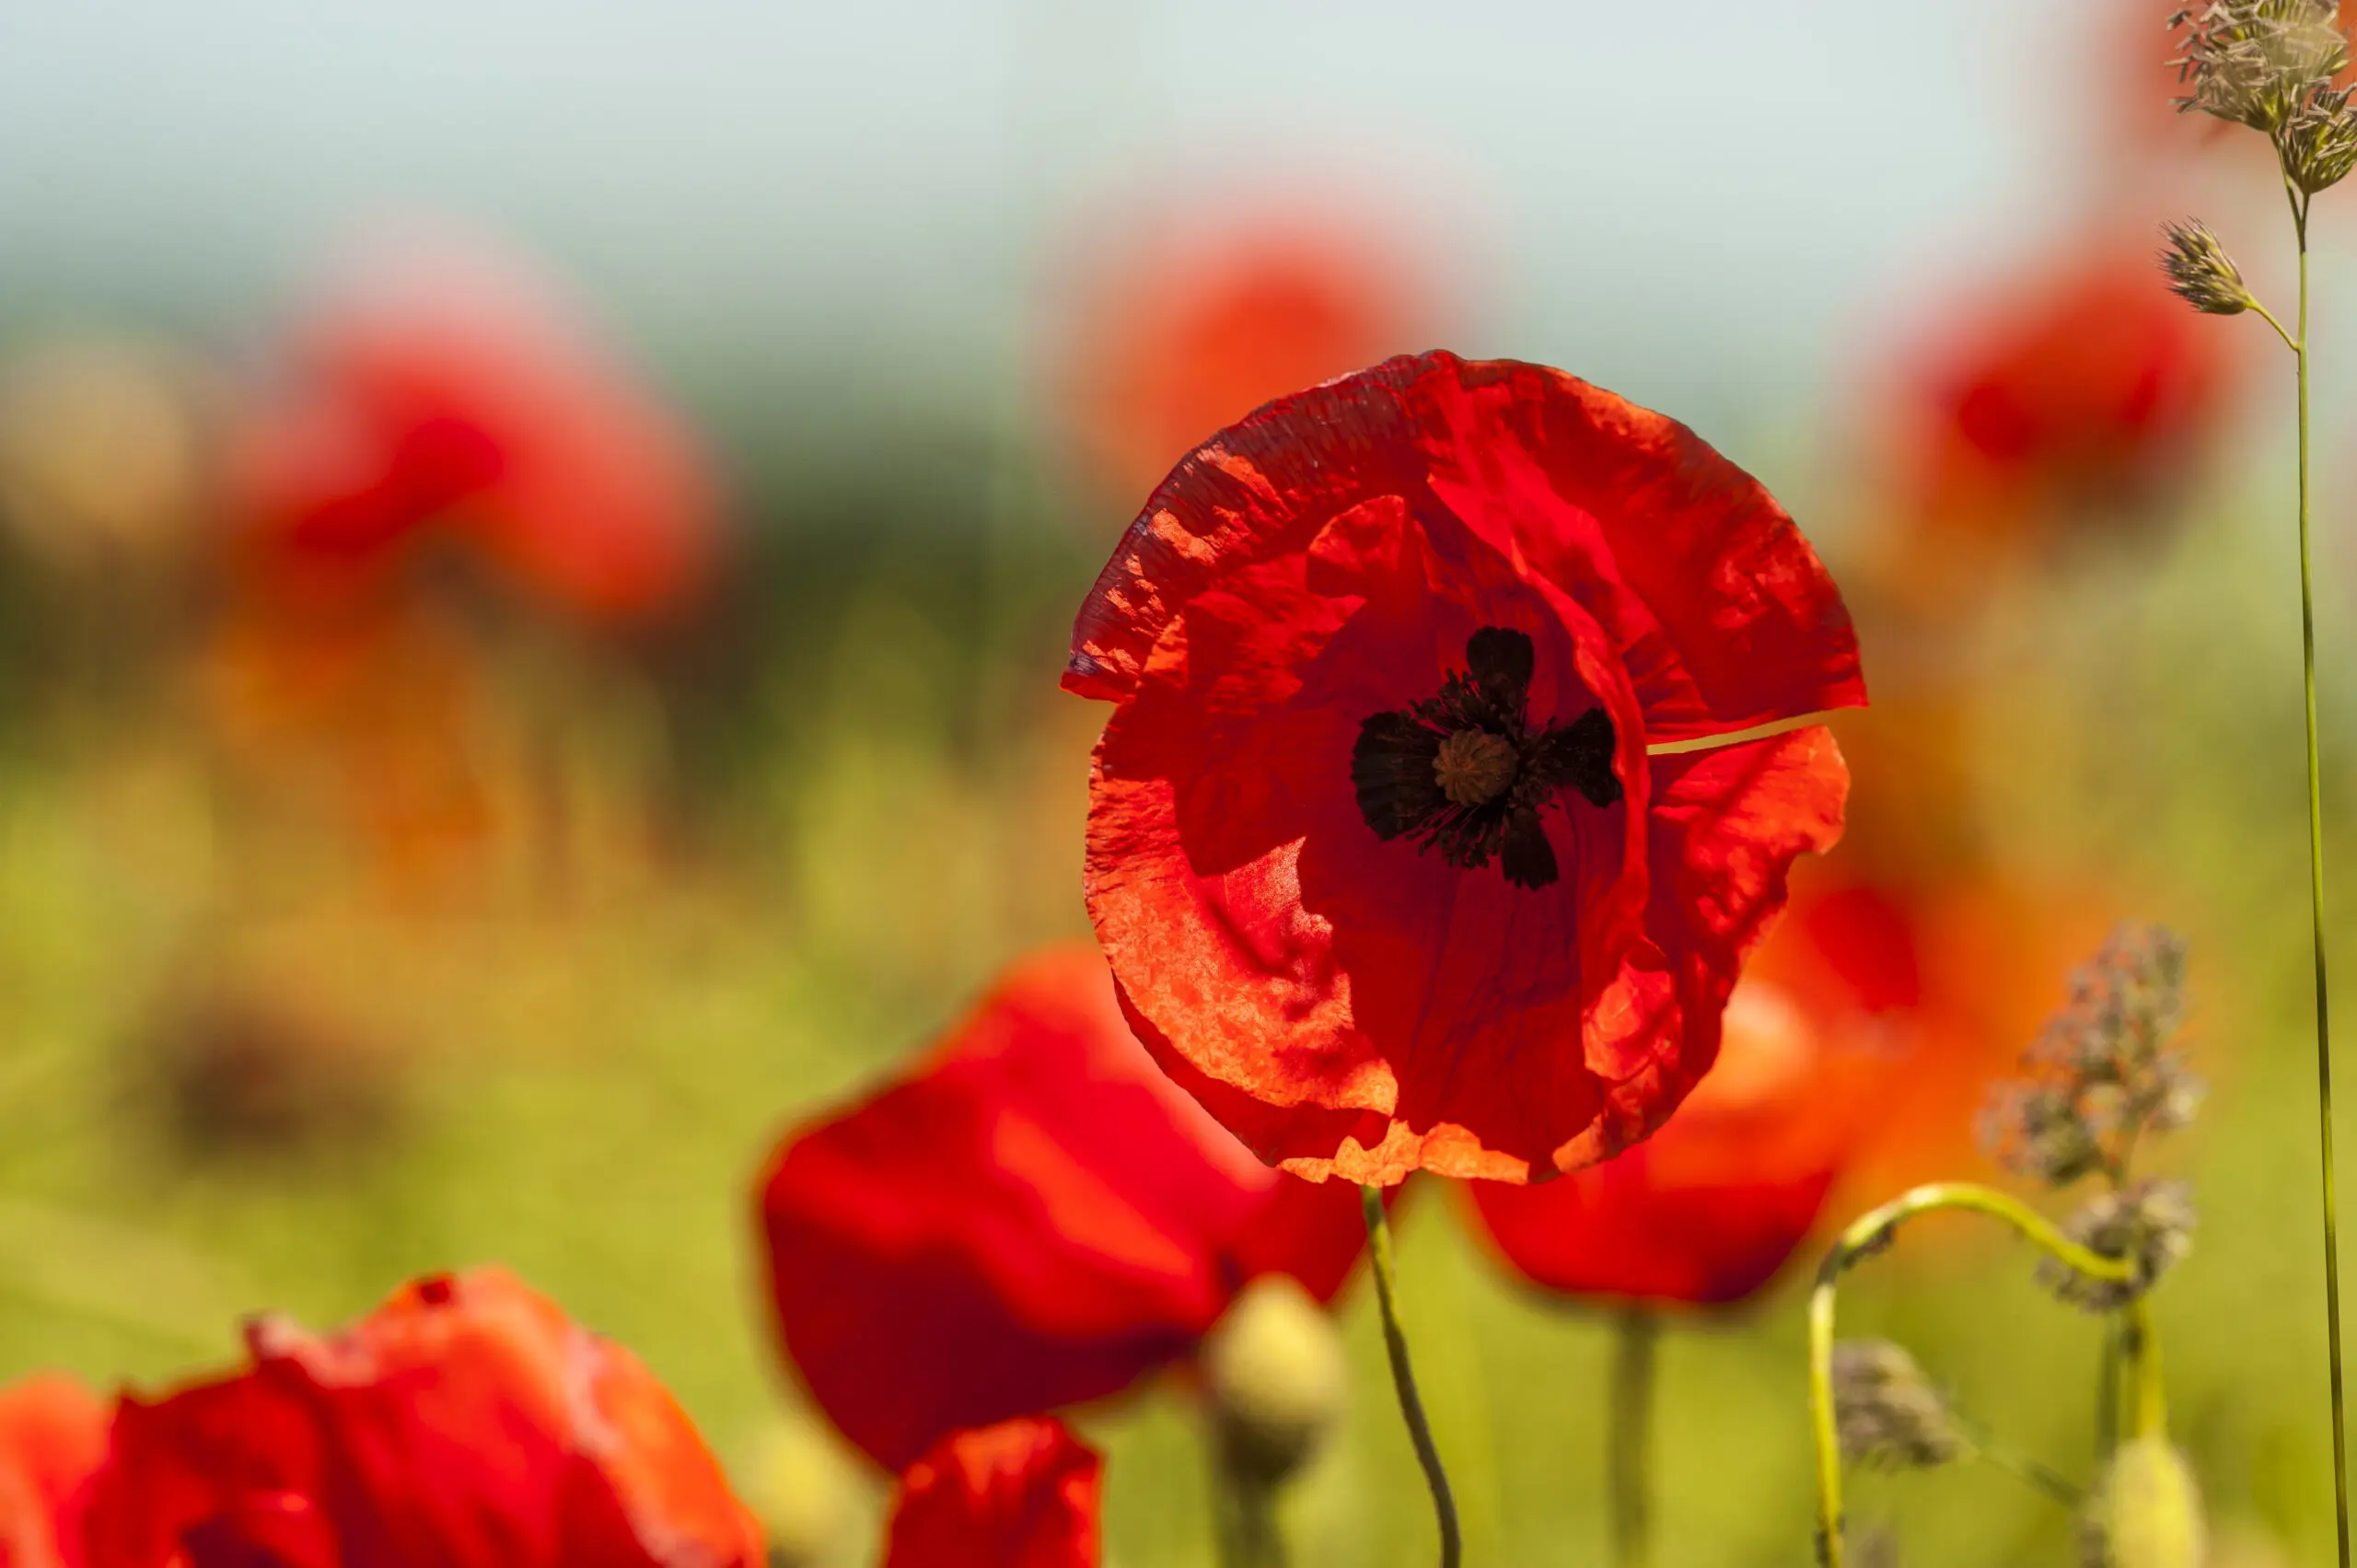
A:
2147	1513
1273	1369
795	1489
1889	1415
2201	273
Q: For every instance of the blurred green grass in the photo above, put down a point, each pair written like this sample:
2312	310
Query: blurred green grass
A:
874	798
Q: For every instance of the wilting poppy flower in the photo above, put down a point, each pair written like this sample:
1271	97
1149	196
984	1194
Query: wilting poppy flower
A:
1192	333
445	404
467	1422
1031	1217
2078	394
1387	871
52	1439
1709	1209
1020	1495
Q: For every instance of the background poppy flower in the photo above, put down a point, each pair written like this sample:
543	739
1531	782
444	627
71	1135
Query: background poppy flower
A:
451	399
52	1439
467	1422
1710	1208
2078	392
1388	656
1020	1495
1032	1217
1174	341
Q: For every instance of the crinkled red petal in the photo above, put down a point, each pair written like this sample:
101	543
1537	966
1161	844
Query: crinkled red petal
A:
1033	1218
467	1422
1724	615
1023	1494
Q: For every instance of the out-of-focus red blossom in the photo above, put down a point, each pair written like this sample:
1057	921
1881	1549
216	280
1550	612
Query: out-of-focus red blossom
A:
1861	1045
2077	394
1451	605
52	1439
374	723
1181	337
466	1423
1020	1495
446	403
1031	1217
1708	1209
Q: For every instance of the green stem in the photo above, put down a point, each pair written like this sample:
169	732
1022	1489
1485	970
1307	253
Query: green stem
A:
2315	921
1635	1341
1870	1233
1403	1378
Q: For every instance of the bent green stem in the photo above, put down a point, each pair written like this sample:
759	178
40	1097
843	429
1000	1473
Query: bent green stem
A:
1635	1341
1871	1232
1403	1378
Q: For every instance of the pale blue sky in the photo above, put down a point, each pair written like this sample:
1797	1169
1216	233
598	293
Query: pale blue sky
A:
1701	199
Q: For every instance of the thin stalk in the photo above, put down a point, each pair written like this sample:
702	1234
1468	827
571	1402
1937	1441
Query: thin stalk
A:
2316	919
1635	1343
1870	1233
1403	1378
2003	1457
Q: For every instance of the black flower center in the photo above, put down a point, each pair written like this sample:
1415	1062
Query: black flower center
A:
1464	772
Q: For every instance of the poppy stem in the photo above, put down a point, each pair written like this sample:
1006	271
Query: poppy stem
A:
1633	1361
1403	1378
2315	917
1875	1231
1244	1513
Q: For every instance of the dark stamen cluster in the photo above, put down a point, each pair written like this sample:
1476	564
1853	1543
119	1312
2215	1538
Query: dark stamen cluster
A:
2104	1071
1464	772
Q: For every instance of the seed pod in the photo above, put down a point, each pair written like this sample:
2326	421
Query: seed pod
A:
2201	273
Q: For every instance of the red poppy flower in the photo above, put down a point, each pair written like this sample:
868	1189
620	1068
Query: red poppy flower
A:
1020	1495
1182	339
1386	874
465	1423
1710	1208
448	402
2080	392
52	1439
1032	1217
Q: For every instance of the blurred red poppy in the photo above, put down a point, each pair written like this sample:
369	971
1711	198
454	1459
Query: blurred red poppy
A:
1185	336
1031	1217
2078	395
52	1439
1020	1495
447	404
1449	607
1710	1208
467	1422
